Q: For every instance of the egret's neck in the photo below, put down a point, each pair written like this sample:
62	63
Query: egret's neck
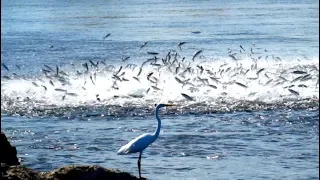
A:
157	132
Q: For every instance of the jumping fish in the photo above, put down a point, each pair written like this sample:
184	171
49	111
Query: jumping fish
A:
92	80
144	44
51	83
125	58
93	64
242	48
299	72
63	73
136	78
124	79
140	70
35	84
179	81
306	77
106	36
45	88
240	84
232	56
60	90
187	97
71	94
116	77
48	67
294	92
148	90
86	66
180	44
5	67
57	70
213	86
196	54
119	70
45	71
153	53
296	79
150	74
302	85
268	82
196	32
283	78
18	66
260	70
215	79
154	87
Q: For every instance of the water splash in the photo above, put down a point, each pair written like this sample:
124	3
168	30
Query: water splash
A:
204	85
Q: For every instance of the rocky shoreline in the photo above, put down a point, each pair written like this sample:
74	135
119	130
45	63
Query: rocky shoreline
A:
11	169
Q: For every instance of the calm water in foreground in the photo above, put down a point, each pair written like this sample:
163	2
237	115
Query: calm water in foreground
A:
71	96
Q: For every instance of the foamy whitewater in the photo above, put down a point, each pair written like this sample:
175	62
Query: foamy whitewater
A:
257	84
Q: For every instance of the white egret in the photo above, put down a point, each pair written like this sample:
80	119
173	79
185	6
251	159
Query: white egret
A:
143	141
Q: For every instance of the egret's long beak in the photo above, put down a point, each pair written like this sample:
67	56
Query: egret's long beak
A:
170	105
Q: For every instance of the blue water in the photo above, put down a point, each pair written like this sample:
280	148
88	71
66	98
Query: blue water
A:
254	109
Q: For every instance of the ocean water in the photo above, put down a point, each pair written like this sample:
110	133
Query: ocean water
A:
76	85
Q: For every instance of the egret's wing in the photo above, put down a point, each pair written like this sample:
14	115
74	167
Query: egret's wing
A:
137	145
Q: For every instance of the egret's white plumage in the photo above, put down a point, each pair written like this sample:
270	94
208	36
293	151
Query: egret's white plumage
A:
137	145
141	142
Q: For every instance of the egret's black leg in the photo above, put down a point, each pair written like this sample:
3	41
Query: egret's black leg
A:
139	165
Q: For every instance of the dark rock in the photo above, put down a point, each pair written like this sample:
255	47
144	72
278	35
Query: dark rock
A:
84	172
20	173
8	152
71	172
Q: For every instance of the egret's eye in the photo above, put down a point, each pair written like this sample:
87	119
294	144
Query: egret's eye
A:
155	105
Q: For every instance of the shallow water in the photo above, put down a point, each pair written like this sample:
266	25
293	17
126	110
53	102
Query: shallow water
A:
264	144
255	117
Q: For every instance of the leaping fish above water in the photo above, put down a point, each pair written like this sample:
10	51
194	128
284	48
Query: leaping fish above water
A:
196	54
49	68
116	77
60	90
86	66
35	84
45	88
187	97
299	72
196	32
125	58
294	92
242	48
5	67
144	44
260	70
136	78
156	88
153	53
106	36
180	44
232	56
213	86
18	66
240	84
71	94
